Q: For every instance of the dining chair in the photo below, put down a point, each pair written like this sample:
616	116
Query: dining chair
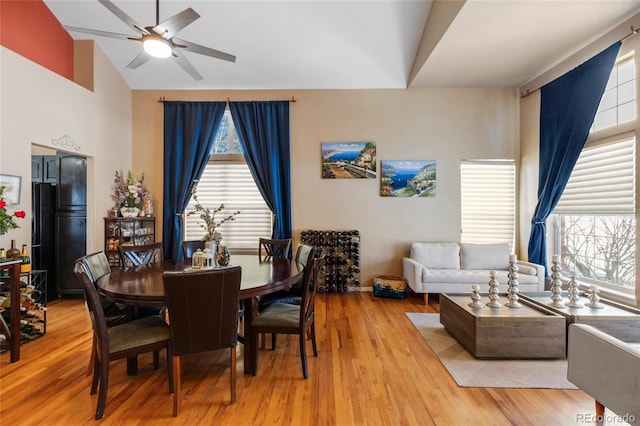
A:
273	249
96	265
284	318
120	341
190	246
203	317
140	254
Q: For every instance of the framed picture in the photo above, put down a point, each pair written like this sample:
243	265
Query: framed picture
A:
408	178
12	188
348	160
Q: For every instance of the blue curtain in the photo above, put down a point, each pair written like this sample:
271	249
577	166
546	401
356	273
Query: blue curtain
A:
189	134
567	108
263	130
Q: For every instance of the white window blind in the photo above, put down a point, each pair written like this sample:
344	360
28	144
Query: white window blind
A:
231	184
488	203
602	182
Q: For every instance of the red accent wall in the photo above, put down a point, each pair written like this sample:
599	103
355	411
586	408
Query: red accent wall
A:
30	29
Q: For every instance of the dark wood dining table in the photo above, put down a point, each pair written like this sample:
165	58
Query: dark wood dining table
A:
143	286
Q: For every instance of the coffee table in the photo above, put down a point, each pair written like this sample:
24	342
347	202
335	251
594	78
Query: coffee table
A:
529	332
614	318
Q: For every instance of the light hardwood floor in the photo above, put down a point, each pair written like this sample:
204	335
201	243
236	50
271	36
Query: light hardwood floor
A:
373	368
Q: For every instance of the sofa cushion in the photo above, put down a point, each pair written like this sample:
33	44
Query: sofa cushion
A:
436	255
484	256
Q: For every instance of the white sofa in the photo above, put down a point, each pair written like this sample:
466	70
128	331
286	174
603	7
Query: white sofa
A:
607	368
454	268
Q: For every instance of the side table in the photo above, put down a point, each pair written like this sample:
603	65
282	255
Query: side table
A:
13	265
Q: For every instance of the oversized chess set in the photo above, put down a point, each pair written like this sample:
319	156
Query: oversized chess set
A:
529	325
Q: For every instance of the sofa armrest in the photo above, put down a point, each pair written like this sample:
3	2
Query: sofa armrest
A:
606	368
539	272
412	271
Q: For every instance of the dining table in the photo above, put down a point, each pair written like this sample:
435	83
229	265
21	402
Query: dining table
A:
143	286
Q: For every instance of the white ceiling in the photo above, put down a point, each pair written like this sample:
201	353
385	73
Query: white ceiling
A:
344	44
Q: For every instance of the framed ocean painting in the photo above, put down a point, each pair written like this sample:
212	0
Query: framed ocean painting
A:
349	160
408	178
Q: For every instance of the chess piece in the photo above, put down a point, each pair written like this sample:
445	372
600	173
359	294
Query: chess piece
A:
475	297
494	297
574	296
556	283
594	299
512	292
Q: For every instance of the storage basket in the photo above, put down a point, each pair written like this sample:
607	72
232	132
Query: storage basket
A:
390	286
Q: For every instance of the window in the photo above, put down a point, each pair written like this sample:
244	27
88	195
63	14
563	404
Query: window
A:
595	218
227	180
488	201
594	227
618	101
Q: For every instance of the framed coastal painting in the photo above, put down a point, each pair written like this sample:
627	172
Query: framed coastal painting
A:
348	160
408	178
12	188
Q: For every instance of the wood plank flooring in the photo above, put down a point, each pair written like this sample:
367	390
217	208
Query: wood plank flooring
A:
373	368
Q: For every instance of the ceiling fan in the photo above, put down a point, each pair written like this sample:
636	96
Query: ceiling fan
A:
159	41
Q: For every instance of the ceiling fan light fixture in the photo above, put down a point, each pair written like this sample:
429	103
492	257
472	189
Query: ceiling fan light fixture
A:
156	46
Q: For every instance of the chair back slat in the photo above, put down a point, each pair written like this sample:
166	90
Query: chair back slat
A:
141	254
203	309
273	249
94	306
310	285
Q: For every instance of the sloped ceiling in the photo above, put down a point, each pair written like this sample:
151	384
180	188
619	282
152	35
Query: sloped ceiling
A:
354	44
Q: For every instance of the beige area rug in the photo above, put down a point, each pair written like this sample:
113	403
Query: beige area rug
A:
470	372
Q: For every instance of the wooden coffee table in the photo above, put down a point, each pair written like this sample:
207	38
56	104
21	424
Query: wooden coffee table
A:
529	332
614	318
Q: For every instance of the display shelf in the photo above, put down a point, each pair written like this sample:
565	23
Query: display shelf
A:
33	301
341	270
127	231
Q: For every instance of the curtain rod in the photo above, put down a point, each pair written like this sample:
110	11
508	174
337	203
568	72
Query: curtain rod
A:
162	99
527	92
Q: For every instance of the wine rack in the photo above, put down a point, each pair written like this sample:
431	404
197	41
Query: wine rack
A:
33	301
341	269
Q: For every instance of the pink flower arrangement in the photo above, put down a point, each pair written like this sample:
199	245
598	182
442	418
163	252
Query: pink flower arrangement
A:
128	192
7	221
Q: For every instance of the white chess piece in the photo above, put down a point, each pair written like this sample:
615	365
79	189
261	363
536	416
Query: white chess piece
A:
494	297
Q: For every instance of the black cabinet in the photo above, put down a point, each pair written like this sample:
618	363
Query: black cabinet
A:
72	182
44	168
71	237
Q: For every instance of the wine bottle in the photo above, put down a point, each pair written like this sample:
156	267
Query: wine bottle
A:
25	266
13	252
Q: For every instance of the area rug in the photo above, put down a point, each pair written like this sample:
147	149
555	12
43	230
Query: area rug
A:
470	372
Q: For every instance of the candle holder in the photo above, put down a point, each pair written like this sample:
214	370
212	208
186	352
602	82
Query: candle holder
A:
475	297
512	292
574	297
556	283
494	297
594	299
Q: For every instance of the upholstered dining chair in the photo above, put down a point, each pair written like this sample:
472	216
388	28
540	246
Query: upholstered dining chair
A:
140	254
96	265
203	317
120	341
284	318
190	246
273	249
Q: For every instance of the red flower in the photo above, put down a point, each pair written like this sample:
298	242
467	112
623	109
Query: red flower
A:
2	204
20	213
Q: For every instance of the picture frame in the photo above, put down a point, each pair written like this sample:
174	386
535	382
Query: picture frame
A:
409	178
12	191
348	160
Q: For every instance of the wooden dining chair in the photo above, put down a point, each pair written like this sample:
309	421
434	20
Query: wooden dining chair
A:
273	249
203	317
191	246
96	265
121	341
140	254
284	318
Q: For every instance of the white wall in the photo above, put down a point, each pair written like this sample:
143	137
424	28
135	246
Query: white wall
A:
446	125
39	106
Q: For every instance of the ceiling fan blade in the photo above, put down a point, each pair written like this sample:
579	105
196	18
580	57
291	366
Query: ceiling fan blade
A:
139	60
196	48
99	33
186	65
123	16
171	26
